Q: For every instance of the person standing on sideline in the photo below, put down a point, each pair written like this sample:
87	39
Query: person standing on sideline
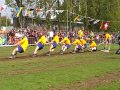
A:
107	42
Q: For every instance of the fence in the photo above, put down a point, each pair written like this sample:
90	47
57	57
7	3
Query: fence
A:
32	40
10	41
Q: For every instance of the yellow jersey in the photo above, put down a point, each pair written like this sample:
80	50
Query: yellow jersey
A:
77	42
66	40
42	40
93	44
92	34
83	41
107	36
24	43
80	33
0	40
56	39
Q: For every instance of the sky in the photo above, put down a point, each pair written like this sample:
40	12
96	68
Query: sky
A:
7	11
2	2
4	12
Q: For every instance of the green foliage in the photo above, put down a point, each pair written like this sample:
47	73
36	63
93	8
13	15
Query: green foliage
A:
5	21
8	1
107	10
37	20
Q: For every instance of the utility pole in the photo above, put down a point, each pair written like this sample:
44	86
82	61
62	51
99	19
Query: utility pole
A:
58	3
67	20
21	17
0	20
6	18
71	2
86	14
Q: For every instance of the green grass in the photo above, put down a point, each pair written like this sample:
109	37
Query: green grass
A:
42	73
111	86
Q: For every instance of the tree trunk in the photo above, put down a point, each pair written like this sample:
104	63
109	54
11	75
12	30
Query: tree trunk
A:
18	3
17	20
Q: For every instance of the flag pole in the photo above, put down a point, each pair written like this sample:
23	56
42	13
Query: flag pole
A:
21	19
32	23
0	20
67	20
6	21
6	17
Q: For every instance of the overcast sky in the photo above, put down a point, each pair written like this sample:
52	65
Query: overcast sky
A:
2	2
7	12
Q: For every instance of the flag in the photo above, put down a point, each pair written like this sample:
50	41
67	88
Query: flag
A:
96	21
92	21
106	25
18	14
101	25
25	12
38	10
27	1
76	18
3	7
31	13
59	11
53	15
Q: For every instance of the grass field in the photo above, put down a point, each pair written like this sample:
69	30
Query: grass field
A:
82	71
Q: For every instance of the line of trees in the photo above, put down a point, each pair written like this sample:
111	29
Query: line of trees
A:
4	21
108	10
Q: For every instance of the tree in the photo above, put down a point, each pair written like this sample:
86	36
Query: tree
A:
107	10
17	21
5	21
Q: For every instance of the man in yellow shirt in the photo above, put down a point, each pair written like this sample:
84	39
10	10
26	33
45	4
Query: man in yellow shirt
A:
84	43
108	37
53	43
22	45
93	46
40	44
66	44
107	42
0	41
92	35
78	45
80	33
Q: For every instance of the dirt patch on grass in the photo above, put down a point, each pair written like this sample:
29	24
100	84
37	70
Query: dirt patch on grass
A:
91	83
47	68
30	56
24	57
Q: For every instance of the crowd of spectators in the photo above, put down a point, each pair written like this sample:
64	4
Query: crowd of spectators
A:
33	35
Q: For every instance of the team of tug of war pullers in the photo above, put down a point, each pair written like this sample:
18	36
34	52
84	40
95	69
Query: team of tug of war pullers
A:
80	43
